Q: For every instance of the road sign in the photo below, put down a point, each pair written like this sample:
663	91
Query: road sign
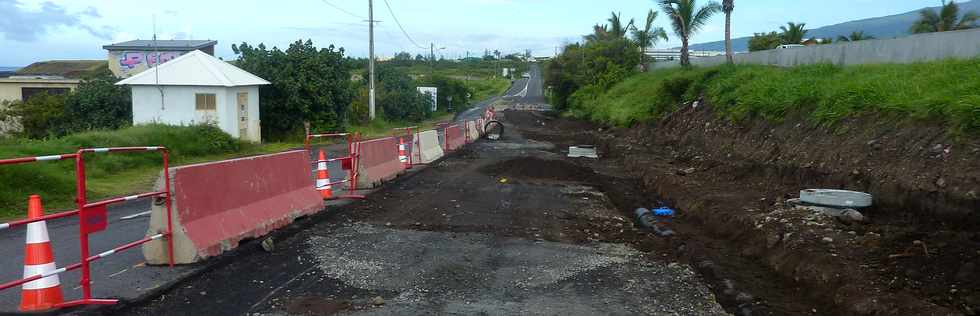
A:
433	92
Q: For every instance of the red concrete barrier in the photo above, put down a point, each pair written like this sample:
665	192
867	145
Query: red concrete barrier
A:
216	205
378	162
454	137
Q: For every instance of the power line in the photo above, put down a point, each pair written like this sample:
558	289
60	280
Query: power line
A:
401	27
342	10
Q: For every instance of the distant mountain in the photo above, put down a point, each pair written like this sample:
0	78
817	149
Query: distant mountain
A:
881	27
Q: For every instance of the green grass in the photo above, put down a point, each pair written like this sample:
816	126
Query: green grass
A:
381	128
109	175
487	88
945	91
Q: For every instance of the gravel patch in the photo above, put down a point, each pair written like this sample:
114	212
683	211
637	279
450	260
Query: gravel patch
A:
475	273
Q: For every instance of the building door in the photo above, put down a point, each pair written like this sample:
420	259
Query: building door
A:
206	108
243	115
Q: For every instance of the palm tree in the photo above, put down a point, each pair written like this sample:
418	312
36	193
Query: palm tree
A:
687	19
648	36
793	33
599	33
728	6
616	27
948	19
614	30
854	37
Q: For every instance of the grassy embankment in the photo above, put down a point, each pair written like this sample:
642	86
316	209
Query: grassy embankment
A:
947	92
109	175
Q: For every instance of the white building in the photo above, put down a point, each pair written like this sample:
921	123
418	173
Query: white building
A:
197	88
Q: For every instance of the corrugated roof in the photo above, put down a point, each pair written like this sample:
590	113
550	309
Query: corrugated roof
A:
73	69
170	45
195	69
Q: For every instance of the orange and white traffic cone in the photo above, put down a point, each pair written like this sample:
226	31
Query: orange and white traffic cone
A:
323	177
401	153
44	293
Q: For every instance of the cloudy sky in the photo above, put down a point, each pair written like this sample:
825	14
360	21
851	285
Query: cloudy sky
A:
44	30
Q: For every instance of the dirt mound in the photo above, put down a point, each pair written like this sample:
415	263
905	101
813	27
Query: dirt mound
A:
539	169
732	179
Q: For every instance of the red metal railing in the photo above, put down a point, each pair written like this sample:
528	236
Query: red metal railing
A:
92	225
349	162
413	134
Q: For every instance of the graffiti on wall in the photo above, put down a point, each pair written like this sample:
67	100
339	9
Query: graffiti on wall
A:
131	60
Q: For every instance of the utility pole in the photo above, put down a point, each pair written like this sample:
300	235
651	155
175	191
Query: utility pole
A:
371	61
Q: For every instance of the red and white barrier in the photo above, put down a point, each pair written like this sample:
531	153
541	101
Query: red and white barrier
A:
218	204
92	218
454	137
377	162
347	163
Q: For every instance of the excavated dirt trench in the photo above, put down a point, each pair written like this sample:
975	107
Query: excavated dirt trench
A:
761	255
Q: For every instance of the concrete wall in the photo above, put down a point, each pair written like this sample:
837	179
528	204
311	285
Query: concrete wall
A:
910	49
10	89
179	108
125	64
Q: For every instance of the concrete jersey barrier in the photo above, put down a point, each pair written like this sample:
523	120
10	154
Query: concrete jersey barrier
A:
218	204
427	149
378	162
472	132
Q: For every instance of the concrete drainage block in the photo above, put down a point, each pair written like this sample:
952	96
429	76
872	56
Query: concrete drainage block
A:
836	198
583	151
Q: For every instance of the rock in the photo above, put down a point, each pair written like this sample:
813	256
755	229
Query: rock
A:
938	148
967	272
728	284
827	240
743	298
941	183
684	172
745	310
971	195
772	239
875	144
268	245
204	293
378	301
852	216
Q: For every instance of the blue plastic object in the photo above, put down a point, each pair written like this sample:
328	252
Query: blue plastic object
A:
663	212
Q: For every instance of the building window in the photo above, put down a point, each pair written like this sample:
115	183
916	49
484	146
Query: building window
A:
205	102
27	93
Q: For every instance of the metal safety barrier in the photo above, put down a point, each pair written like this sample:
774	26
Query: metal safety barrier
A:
93	218
349	162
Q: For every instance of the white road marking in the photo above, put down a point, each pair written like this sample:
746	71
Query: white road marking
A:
128	217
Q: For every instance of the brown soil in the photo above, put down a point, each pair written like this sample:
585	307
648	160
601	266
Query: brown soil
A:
735	228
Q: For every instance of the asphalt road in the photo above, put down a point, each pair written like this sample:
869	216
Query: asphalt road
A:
523	90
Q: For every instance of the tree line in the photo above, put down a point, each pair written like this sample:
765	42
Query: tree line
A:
319	86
